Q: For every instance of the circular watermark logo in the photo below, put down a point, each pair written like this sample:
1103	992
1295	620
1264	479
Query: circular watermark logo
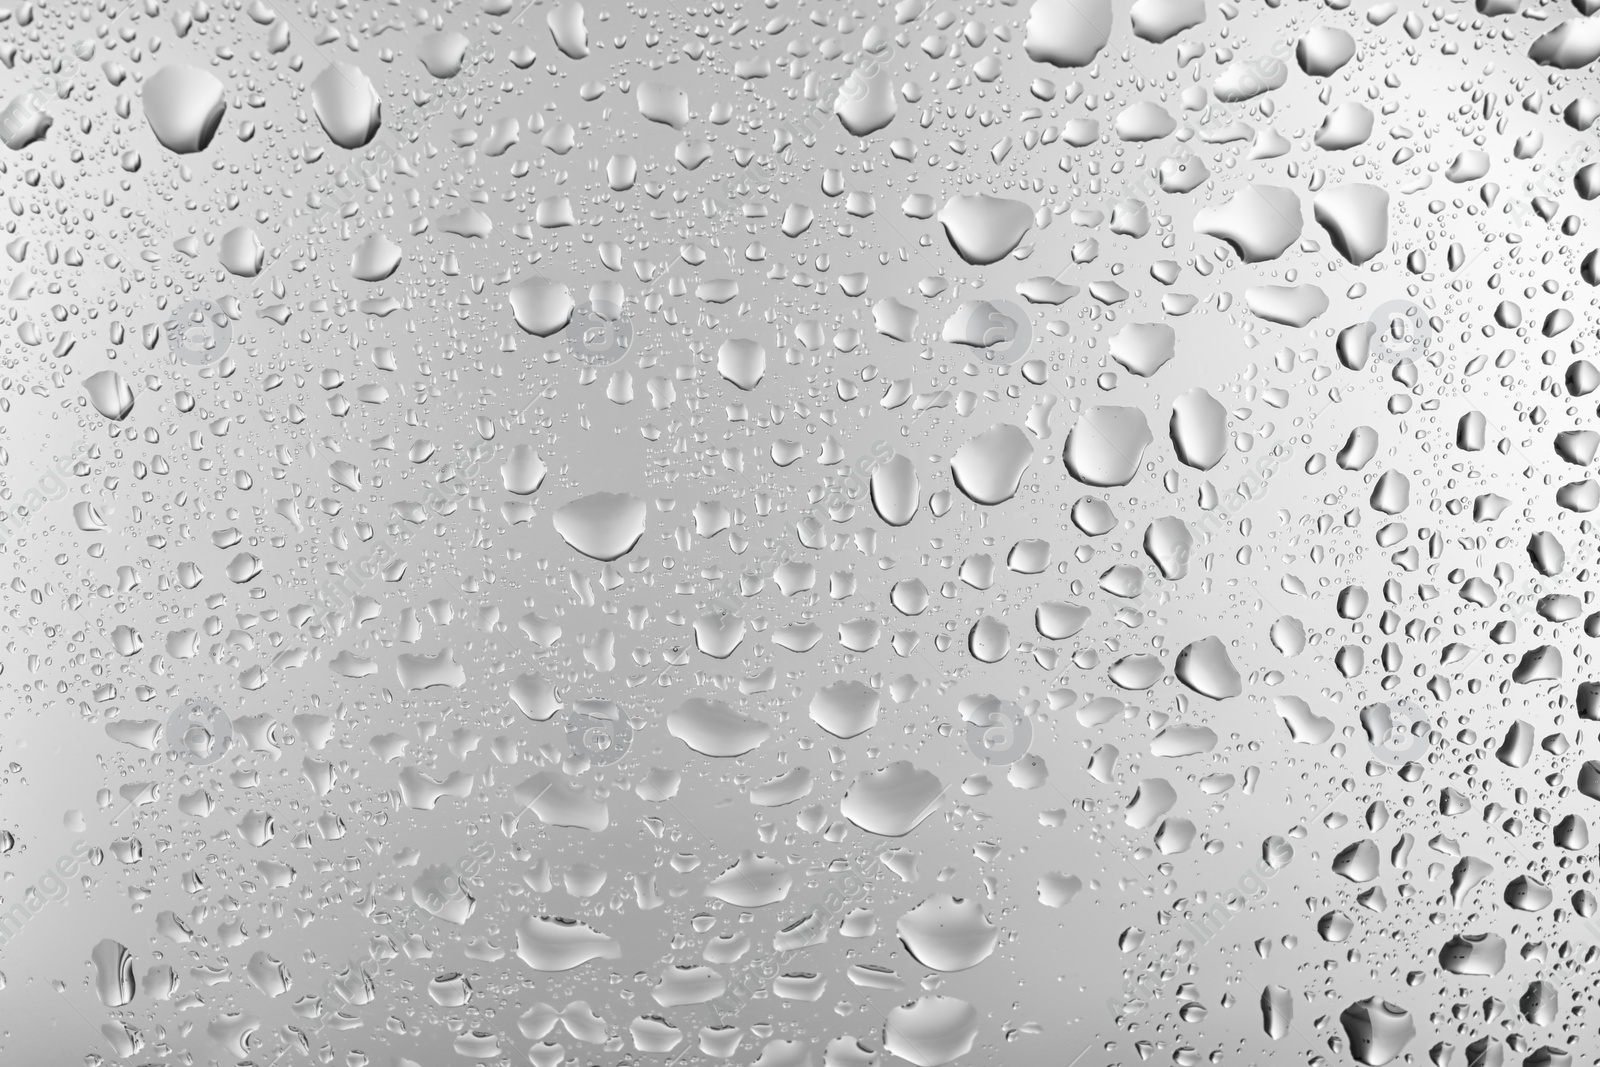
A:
999	329
1002	736
199	732
601	333
199	333
593	734
1400	331
1391	733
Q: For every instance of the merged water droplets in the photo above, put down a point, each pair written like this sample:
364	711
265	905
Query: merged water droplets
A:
549	943
1377	1030
375	259
113	973
1261	222
716	728
742	361
443	54
1356	218
1204	666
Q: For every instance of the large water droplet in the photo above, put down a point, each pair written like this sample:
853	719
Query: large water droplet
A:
931	1031
443	54
984	229
184	107
113	973
546	943
346	103
1104	447
541	307
989	468
894	490
110	394
375	258
1356	218
1067	33
569	29
603	526
1260	222
891	801
716	728
947	933
1479	955
846	708
752	881
1377	1030
866	102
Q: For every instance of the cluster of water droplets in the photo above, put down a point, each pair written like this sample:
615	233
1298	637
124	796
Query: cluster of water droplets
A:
798	534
